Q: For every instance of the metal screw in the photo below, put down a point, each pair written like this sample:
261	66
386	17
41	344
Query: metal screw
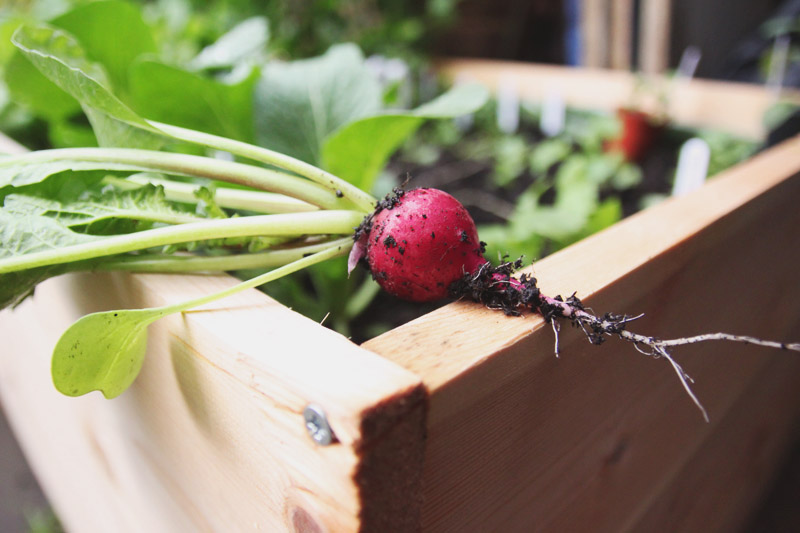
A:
317	425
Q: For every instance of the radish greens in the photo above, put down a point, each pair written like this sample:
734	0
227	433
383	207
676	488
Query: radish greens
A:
226	162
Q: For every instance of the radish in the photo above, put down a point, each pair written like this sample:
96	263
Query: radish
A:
422	245
411	228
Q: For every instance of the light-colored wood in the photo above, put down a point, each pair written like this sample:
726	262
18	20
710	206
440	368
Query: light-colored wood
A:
603	437
595	33
654	24
10	146
621	34
211	436
736	108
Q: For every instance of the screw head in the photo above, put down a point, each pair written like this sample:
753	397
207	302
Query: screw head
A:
317	425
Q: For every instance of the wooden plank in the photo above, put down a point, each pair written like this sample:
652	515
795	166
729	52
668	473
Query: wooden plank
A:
211	435
519	439
621	34
595	33
735	108
655	23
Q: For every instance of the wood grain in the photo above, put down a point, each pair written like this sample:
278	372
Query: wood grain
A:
211	436
520	440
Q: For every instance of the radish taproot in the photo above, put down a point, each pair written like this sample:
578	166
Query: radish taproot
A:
422	245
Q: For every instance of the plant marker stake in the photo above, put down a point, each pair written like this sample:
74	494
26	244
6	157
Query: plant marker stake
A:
554	111
507	105
317	425
692	166
777	65
686	68
390	71
688	63
463	122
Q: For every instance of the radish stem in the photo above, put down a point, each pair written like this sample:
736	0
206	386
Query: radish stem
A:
178	164
295	224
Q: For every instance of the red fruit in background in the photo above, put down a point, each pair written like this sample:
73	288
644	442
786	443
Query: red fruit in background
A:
639	132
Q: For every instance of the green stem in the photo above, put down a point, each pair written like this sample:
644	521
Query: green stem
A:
359	198
361	298
130	159
268	259
241	199
272	275
314	223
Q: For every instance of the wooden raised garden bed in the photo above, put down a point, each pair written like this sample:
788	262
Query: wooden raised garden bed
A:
462	420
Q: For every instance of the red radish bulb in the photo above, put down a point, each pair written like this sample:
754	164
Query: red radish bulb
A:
420	243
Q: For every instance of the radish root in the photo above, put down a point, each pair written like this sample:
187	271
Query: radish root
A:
495	288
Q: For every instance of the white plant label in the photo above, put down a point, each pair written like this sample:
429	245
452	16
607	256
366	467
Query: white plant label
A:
554	112
692	166
507	105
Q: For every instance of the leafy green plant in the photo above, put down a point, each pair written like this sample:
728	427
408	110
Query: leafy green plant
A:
154	197
551	191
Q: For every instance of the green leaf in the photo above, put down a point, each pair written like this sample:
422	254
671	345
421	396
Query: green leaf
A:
501	242
547	153
247	40
315	96
102	351
16	286
67	134
174	96
627	176
62	186
111	132
31	89
576	199
358	151
25	234
29	173
146	203
510	160
62	59
112	33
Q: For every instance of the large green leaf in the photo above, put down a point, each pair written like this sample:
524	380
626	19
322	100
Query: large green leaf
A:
62	59
298	104
358	150
31	89
25	234
182	98
112	33
246	41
